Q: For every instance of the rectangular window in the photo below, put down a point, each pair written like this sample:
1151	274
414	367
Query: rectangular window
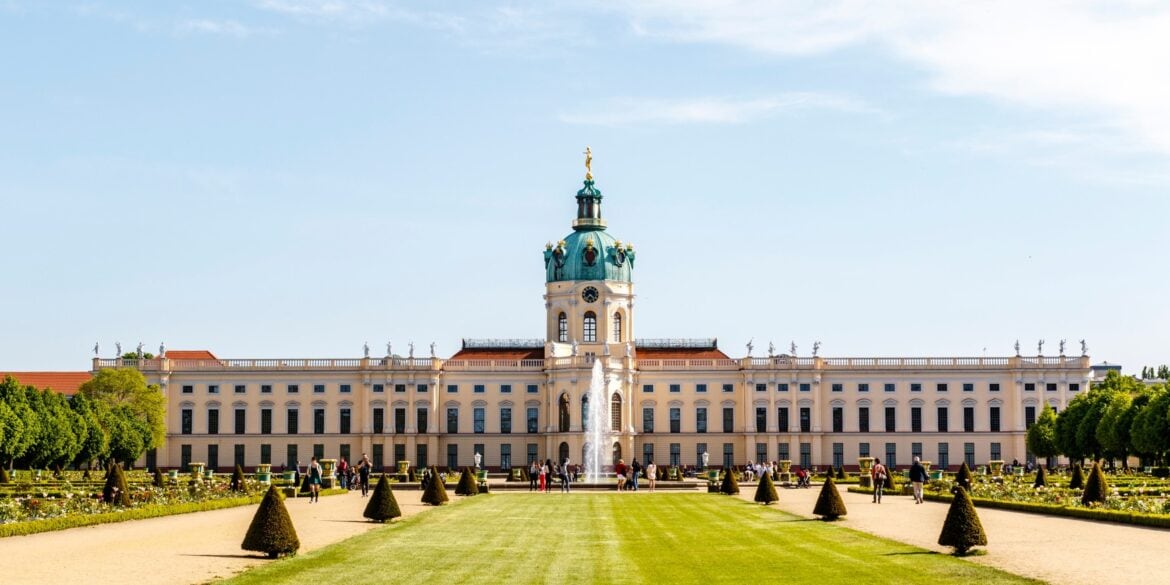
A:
782	419
477	420
266	453
838	419
238	455
676	420
838	455
291	458
266	388
891	419
968	387
212	457
944	420
700	388
700	448
806	455
378	458
319	421
453	420
1029	416
241	421
420	455
379	389
890	387
805	420
862	388
782	387
968	419
761	387
293	388
916	450
863	449
240	388
187	389
729	387
214	388
993	387
915	419
838	387
891	455
944	456
993	420
506	456
532	420
400	387
728	420
399	453
805	387
675	454
916	387
782	452
399	420
701	419
1029	387
346	389
318	388
1050	387
996	452
761	419
265	421
647	420
188	421
344	420
452	388
647	452
969	454
506	420
505	388
421	422
379	420
292	418
533	389
675	388
213	421
941	387
452	456
648	388
863	419
1074	387
421	388
728	455
761	452
478	388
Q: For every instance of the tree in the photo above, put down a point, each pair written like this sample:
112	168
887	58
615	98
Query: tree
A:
272	531
1041	436
20	422
1150	432
829	504
125	390
766	490
1097	488
383	505
116	491
729	485
127	434
1077	481
962	529
1113	431
96	444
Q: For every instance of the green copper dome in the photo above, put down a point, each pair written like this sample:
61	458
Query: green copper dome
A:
589	253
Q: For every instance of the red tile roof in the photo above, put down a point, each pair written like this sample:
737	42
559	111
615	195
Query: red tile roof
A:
526	353
681	353
190	354
63	382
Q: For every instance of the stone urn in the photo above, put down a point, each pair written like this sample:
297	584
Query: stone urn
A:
926	465
785	475
328	472
996	467
264	473
403	470
864	465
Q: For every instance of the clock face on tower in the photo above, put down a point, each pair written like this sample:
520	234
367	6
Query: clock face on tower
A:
589	294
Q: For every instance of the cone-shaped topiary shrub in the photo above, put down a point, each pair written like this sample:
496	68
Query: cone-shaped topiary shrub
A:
962	529
383	506
4	476
829	472
1096	489
964	478
271	531
766	490
305	485
115	491
158	478
729	485
467	484
841	472
1041	477
890	485
85	475
829	504
436	492
237	483
1078	478
57	471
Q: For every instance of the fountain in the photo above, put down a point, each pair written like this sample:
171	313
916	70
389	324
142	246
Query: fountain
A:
597	438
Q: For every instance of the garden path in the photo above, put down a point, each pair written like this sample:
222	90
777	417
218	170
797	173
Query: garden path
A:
182	549
1067	551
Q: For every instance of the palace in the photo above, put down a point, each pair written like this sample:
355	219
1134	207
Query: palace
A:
670	400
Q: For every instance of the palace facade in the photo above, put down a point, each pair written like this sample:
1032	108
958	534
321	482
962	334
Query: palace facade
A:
670	400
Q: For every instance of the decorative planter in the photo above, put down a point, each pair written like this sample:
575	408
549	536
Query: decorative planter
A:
926	465
785	465
264	477
288	476
264	468
196	470
403	467
864	465
328	469
996	467
173	475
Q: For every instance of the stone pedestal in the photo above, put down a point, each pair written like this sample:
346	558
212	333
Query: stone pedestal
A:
328	472
996	467
403	470
864	465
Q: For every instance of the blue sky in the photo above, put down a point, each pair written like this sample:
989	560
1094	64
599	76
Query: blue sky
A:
295	178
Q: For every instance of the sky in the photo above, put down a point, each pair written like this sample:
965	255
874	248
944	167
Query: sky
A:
295	178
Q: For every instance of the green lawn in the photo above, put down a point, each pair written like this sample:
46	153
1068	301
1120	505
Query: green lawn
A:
619	538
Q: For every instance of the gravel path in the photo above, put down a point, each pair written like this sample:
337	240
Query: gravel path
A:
183	549
1062	551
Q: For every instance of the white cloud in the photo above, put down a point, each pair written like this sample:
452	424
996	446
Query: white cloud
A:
228	28
629	111
1108	61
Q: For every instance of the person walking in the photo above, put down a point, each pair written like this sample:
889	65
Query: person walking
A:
635	471
364	474
533	476
314	472
651	474
544	470
565	476
342	476
620	471
917	478
877	475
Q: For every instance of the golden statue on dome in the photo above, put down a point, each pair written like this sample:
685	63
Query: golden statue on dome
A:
588	164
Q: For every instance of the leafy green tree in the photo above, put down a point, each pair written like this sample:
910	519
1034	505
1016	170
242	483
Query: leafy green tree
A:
1041	436
1113	431
96	444
125	390
21	423
1150	432
127	434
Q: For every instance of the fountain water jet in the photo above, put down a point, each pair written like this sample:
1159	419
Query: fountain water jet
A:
597	436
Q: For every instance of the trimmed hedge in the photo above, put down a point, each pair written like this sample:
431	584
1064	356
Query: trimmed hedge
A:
766	491
1097	489
435	493
1098	514
383	505
729	485
64	522
1041	477
962	529
829	504
964	478
272	531
116	491
1078	478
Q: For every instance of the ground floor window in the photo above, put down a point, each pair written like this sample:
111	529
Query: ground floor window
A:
239	455
344	453
452	456
212	457
675	454
996	453
532	453
863	449
399	454
838	455
184	457
647	453
291	457
944	456
916	450
319	451
378	460
266	454
969	454
806	455
700	448
891	455
420	456
505	456
761	452
728	455
782	452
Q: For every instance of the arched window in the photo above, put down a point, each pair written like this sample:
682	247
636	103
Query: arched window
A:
590	332
615	413
562	328
585	412
617	327
563	452
617	452
564	413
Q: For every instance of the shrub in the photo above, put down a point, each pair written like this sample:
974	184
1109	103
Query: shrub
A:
1097	488
85	475
963	478
829	504
237	483
1160	472
962	529
305	486
116	491
272	531
158	478
382	506
436	492
4	476
841	472
1078	478
829	473
729	485
1041	477
890	485
467	484
766	490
